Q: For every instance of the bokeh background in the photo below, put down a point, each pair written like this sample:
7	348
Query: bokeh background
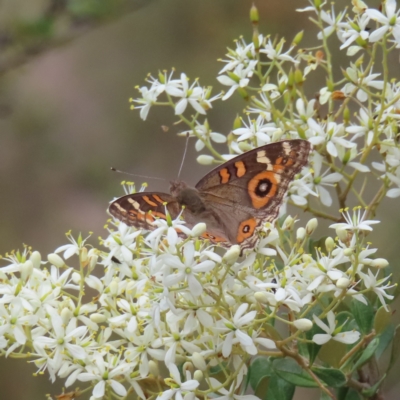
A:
67	70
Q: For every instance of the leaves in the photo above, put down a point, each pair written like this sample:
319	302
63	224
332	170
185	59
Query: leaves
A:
330	376
260	368
290	371
364	316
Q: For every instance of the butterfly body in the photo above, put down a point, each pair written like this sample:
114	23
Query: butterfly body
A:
234	200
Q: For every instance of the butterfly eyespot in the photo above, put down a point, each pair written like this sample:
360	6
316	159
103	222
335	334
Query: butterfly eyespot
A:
262	188
246	229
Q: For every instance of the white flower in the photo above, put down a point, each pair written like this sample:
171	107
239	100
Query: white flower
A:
355	222
230	394
390	21
372	282
235	330
348	337
179	388
189	95
149	97
203	134
275	53
256	129
239	78
103	372
351	33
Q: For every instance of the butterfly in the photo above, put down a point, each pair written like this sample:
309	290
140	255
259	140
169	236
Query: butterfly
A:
235	199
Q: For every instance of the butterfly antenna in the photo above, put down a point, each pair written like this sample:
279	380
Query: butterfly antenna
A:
184	155
139	176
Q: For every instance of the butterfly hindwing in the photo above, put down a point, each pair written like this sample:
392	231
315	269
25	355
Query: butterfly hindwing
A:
248	190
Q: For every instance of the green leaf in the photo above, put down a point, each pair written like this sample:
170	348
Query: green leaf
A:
279	389
271	332
290	371
348	394
382	320
395	347
330	376
332	352
364	316
259	369
372	390
367	353
348	321
385	338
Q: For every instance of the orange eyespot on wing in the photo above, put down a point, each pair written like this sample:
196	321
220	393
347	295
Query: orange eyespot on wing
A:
225	175
246	229
262	187
240	168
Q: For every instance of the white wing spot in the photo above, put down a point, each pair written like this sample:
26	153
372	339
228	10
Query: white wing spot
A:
263	159
286	147
134	203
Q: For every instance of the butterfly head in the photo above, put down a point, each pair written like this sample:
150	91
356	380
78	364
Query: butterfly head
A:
187	196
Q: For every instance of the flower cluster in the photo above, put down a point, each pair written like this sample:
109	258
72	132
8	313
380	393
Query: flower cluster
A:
165	300
172	315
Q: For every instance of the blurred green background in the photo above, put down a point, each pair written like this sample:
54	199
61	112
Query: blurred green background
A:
67	70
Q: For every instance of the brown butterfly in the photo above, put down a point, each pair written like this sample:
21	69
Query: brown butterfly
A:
234	200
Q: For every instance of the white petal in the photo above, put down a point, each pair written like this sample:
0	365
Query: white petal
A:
347	337
118	388
98	390
321	338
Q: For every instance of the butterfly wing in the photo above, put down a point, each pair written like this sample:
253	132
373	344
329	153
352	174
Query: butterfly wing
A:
141	209
248	190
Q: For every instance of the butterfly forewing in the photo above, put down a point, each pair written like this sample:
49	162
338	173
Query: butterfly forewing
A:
141	209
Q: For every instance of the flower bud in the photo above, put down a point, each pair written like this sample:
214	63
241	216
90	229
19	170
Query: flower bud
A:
244	146
276	136
329	244
232	254
84	255
26	270
76	278
348	252
237	123
198	229
298	38
36	258
306	258
198	361
288	223
300	234
342	234
298	77
379	263
311	226
56	260
153	368
113	287
254	16
188	366
198	375
343	283
93	258
98	318
303	324
205	159
66	315
262	297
